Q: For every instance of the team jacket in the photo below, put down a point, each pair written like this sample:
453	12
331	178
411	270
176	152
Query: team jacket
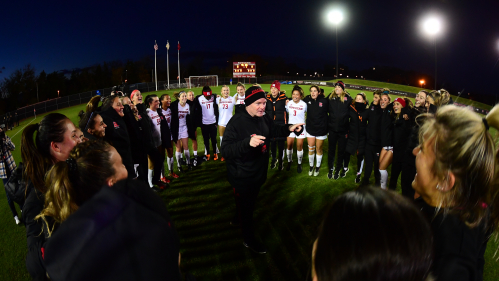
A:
339	113
166	140
276	108
191	127
246	165
373	131
386	126
400	135
356	141
197	113
117	136
317	118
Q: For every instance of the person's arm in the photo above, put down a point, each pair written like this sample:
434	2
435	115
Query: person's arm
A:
233	146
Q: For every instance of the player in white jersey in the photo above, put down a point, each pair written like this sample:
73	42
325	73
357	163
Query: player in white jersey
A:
296	109
225	107
206	116
181	127
239	97
167	113
155	165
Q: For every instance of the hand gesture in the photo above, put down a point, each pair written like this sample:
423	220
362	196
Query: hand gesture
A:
296	127
256	140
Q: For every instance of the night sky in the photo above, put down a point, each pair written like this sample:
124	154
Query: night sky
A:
56	35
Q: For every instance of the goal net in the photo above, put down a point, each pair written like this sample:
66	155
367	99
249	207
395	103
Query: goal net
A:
201	81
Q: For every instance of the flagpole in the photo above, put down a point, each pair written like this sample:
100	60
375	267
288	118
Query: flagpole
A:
155	71
167	63
178	47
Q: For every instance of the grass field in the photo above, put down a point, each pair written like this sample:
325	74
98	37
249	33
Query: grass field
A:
288	212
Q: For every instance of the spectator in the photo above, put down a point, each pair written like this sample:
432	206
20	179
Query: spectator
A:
7	167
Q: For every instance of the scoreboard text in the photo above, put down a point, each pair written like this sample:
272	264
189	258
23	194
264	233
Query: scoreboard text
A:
244	69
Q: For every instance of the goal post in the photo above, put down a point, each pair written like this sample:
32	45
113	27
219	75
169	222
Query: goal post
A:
200	81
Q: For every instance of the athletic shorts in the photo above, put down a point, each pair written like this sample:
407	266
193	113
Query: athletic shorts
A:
301	136
223	125
388	148
182	132
319	137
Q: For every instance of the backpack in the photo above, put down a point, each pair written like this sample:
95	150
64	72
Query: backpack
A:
15	186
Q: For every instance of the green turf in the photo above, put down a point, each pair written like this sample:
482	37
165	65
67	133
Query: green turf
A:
289	210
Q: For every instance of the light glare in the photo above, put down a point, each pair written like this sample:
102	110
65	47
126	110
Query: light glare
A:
432	26
335	16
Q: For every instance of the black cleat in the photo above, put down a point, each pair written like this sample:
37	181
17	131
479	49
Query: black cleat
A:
343	172
336	175
311	171
273	164
298	168
330	174
357	179
288	167
280	167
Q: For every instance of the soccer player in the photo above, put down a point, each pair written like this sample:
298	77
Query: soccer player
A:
339	104
317	109
276	109
155	163
356	143
225	107
181	127
239	97
206	116
167	113
296	109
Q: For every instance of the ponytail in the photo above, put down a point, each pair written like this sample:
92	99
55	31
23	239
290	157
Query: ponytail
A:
35	163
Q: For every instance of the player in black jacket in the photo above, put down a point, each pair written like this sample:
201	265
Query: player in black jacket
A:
317	109
401	128
276	110
245	149
373	137
339	104
356	142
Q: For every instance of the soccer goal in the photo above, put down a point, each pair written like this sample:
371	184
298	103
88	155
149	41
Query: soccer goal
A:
201	81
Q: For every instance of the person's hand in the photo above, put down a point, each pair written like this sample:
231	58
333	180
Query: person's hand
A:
287	102
256	140
405	117
296	127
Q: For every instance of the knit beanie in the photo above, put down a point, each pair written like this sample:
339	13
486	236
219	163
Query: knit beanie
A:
276	84
341	84
253	94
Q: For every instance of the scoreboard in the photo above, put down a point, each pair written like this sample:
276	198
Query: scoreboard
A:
244	69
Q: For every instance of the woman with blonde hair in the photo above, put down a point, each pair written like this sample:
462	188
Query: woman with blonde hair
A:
181	127
339	104
225	107
458	184
239	97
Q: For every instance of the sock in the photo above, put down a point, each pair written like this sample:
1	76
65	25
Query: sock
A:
361	167
283	154
290	154
195	153
205	151
221	141
187	156
218	151
319	161
300	156
384	178
169	163
179	156
135	166
149	177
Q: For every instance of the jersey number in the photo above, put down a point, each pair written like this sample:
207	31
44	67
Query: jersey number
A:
225	106
295	112
208	106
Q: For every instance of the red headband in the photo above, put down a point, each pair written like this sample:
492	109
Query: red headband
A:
207	93
401	101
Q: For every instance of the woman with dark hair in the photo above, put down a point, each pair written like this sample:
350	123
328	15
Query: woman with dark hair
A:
166	136
116	131
373	139
296	110
316	126
91	123
276	109
339	104
71	183
372	234
54	139
182	127
356	142
458	184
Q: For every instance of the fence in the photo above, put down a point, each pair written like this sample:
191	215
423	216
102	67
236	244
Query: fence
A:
76	99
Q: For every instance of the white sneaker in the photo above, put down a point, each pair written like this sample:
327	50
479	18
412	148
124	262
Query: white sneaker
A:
17	220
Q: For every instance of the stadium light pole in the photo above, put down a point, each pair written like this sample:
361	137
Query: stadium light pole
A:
167	63
421	82
432	26
335	17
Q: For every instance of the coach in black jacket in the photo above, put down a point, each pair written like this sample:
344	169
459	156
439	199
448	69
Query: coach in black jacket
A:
245	148
276	110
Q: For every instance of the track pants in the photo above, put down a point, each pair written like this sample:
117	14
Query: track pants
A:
158	162
279	145
333	139
371	159
394	176
245	206
209	133
346	161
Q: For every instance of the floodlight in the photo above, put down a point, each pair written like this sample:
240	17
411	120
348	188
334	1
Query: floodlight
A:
335	16
432	25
